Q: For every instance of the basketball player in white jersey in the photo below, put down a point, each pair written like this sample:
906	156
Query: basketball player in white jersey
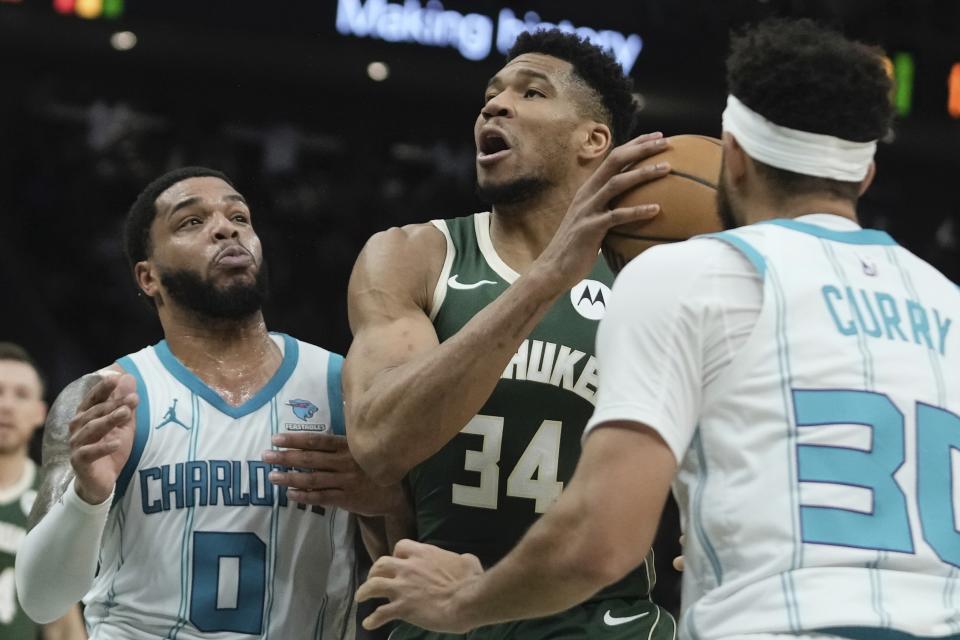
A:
155	506
798	379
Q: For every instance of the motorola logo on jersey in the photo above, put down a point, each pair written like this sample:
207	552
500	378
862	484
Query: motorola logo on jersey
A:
589	298
304	410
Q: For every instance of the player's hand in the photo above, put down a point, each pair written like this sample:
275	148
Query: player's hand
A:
321	471
101	435
573	250
421	582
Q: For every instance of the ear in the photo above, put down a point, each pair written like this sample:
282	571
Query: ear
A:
868	180
734	159
595	140
147	279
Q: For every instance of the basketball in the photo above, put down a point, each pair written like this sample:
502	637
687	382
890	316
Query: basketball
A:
687	199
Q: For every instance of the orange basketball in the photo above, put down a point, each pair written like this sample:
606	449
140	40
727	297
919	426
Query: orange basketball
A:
687	197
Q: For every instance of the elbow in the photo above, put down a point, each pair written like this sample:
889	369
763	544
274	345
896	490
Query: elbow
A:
31	600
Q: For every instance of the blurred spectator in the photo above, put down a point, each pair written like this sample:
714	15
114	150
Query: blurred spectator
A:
22	411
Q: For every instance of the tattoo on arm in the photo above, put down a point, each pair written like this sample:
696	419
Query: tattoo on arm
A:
56	472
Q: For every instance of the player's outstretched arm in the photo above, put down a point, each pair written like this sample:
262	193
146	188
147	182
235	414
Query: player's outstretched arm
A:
406	394
90	434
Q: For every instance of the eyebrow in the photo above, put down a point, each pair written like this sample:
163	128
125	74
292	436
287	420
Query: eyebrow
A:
529	73
189	202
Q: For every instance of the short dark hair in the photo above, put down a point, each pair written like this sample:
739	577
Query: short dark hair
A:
13	351
136	229
804	76
612	89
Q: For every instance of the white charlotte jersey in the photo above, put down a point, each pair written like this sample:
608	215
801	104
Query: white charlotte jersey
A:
199	544
822	487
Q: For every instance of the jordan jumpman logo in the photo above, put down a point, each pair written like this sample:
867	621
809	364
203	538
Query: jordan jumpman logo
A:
171	416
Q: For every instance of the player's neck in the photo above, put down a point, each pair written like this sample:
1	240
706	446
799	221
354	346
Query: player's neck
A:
770	208
12	467
521	231
236	358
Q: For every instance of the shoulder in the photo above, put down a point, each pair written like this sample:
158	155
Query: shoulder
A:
677	268
412	240
405	260
312	353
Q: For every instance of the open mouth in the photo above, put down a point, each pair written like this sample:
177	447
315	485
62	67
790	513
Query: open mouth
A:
492	144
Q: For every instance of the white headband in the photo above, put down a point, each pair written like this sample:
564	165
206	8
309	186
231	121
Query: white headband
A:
811	154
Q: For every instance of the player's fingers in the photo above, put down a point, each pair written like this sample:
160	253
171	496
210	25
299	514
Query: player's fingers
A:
376	587
384	567
382	615
407	548
310	480
100	392
678	563
626	215
633	177
623	156
90	453
96	411
321	498
310	441
96	429
316	460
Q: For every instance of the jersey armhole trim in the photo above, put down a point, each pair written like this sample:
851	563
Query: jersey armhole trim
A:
750	253
335	394
142	429
440	290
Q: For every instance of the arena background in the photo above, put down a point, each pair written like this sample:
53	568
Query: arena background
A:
289	98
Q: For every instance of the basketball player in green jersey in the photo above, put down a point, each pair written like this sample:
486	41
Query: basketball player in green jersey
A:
472	368
22	411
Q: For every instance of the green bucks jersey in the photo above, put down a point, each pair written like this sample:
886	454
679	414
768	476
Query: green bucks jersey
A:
484	489
15	504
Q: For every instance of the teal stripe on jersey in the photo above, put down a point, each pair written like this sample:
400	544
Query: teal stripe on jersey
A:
142	428
950	588
783	361
876	586
291	355
335	394
274	519
865	355
702	471
186	544
747	249
318	628
859	236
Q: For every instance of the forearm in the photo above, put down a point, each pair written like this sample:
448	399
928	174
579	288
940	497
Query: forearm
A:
69	627
558	564
380	534
57	562
408	412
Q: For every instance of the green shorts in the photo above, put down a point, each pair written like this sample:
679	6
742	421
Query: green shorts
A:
614	619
